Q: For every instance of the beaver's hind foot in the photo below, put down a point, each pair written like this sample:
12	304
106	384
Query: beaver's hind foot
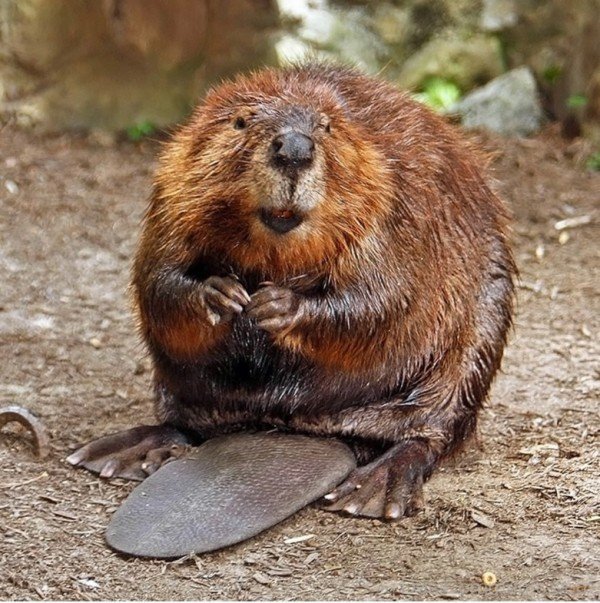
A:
132	454
390	487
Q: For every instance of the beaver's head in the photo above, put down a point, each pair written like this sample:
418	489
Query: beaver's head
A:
275	174
280	151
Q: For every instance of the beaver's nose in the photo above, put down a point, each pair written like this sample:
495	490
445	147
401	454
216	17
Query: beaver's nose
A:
292	150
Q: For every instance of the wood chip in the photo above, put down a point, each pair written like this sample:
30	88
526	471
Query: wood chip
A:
296	539
12	485
482	519
573	222
64	514
550	449
261	578
280	571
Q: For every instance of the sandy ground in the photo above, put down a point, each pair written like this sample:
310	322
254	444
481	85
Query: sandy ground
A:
522	503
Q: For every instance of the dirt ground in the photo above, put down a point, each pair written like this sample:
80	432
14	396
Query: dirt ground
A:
524	503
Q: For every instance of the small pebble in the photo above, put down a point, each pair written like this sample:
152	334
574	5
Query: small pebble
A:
540	252
89	583
489	578
12	187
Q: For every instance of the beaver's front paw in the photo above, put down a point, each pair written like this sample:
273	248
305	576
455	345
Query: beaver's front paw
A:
222	297
132	454
390	487
275	309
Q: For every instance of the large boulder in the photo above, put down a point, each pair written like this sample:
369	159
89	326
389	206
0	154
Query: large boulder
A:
112	64
509	105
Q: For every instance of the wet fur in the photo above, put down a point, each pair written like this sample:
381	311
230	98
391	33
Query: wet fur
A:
403	268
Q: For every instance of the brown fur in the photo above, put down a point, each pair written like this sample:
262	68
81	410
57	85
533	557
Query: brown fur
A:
402	270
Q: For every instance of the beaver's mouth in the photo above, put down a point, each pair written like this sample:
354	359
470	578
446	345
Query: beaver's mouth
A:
280	220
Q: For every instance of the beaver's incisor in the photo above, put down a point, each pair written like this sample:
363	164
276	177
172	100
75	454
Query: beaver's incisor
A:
321	255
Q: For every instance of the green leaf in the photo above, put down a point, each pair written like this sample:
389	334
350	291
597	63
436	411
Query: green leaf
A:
439	93
593	162
138	131
552	73
575	101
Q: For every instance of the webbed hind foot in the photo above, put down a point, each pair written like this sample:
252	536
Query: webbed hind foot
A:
390	487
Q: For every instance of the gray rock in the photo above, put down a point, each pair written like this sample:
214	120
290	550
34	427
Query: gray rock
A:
329	32
497	15
466	61
508	105
391	23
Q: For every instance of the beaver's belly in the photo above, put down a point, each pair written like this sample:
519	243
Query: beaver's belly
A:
249	381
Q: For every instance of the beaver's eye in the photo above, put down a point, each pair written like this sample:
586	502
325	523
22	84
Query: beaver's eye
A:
239	123
325	123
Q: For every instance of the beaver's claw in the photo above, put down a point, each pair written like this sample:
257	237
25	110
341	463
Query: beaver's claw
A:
132	454
275	309
223	296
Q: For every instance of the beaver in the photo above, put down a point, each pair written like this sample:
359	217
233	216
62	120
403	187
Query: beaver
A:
321	255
